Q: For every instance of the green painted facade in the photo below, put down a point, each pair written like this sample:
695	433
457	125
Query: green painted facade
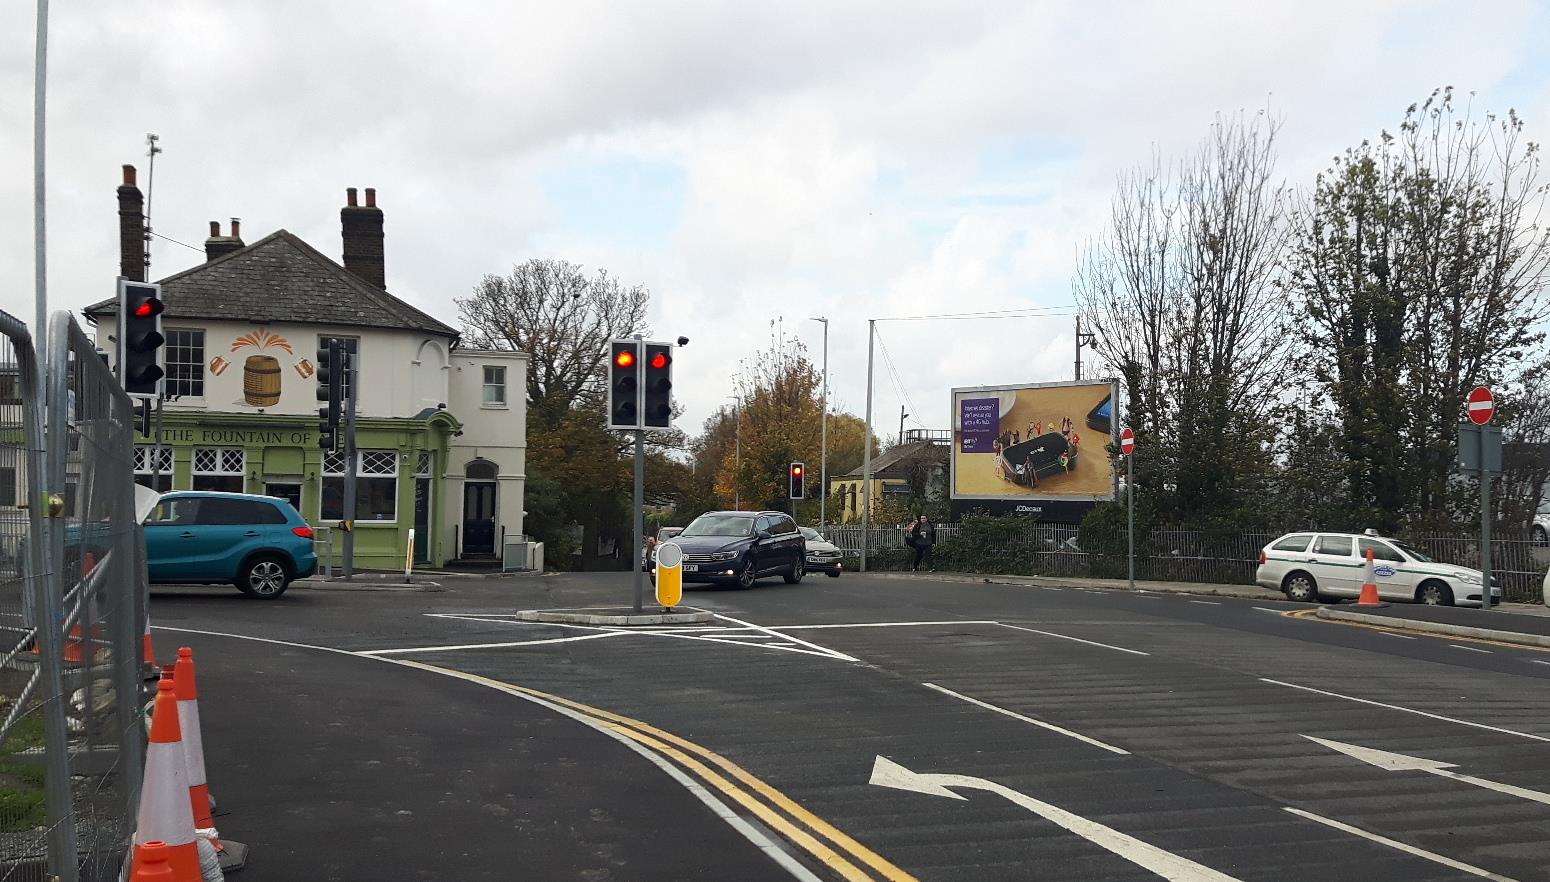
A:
283	449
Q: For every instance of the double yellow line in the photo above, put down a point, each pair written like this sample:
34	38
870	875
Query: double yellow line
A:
828	844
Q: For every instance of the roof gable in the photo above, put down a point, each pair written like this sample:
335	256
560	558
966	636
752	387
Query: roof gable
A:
281	278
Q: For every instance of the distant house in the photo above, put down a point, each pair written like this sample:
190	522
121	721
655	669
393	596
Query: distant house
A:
919	465
441	428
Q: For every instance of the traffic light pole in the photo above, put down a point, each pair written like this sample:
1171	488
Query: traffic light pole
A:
636	513
353	384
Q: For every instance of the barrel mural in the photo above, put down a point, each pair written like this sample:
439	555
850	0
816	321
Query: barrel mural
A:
263	375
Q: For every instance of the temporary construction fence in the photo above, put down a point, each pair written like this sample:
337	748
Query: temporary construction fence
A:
1020	546
73	596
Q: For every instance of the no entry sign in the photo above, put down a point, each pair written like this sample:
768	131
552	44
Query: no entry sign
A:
1127	442
1480	406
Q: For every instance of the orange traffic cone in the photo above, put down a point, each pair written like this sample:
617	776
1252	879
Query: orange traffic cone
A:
187	692
1369	586
147	651
151	865
164	814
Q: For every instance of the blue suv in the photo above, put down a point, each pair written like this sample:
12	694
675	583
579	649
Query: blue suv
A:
258	543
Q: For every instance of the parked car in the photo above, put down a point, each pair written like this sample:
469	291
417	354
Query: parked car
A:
258	543
823	556
655	542
1540	532
738	547
1309	567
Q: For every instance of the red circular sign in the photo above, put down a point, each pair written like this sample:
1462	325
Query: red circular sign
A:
1127	442
1480	406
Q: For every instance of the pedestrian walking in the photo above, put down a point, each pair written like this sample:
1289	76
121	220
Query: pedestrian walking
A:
920	536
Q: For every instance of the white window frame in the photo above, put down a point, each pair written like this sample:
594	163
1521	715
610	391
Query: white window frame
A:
224	456
486	385
144	463
369	465
198	365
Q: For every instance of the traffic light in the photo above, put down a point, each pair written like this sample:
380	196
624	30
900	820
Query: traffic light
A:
330	374
797	473
140	338
624	384
657	412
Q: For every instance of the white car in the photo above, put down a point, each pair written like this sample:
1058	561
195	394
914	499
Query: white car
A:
1540	532
1308	567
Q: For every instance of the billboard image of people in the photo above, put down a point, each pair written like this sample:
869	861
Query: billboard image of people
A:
1033	448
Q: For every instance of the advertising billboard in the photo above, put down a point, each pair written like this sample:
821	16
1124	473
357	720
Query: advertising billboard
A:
1033	448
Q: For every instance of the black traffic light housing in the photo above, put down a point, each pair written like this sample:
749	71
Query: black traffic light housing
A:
624	384
140	339
797	473
330	387
657	395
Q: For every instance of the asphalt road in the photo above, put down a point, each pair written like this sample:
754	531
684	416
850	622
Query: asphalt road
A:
862	728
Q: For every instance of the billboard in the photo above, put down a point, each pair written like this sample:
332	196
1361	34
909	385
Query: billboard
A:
1033	448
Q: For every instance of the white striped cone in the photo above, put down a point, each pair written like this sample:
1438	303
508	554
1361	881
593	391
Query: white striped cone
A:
147	650
164	813
187	690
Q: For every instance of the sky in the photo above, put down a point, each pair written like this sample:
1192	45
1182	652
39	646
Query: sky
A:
753	165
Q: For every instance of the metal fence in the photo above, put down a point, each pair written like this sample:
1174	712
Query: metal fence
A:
73	593
1024	547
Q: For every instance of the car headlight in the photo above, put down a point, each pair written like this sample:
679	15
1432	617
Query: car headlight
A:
723	555
1470	578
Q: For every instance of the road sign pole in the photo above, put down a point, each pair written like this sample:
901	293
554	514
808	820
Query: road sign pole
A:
640	527
352	380
1485	525
1130	514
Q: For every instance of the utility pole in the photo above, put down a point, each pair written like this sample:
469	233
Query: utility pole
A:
39	240
902	415
823	445
637	515
737	459
352	383
866	447
1083	338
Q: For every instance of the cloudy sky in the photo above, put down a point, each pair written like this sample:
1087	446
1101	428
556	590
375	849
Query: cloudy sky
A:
747	162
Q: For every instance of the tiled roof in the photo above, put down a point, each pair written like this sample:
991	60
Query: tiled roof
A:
280	278
896	460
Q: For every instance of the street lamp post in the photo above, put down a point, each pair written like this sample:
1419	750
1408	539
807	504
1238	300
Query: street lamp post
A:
823	455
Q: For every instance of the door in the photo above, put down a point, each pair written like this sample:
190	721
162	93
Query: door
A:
170	539
1333	562
229	529
788	540
1394	578
764	550
478	517
286	490
422	520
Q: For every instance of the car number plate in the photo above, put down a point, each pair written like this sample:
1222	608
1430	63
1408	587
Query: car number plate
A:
691	568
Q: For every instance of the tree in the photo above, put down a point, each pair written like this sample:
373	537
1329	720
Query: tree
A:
1184	293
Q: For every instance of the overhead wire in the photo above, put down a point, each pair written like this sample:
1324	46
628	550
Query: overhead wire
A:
898	383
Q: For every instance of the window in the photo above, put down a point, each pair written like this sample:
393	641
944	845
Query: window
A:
237	512
153	467
174	512
219	468
494	385
1335	545
1380	550
350	347
1293	543
376	486
286	490
780	524
185	363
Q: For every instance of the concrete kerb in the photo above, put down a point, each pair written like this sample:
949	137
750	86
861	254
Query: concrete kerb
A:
1247	592
366	585
616	616
1444	628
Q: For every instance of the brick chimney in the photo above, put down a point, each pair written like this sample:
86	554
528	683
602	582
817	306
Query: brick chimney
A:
217	245
131	228
362	229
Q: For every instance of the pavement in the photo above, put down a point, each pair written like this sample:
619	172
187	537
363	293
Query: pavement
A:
862	728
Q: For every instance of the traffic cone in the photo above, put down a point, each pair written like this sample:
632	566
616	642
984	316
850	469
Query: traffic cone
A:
151	865
164	814
147	650
187	692
1369	586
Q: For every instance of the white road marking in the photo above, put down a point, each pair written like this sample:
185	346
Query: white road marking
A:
1470	648
812	646
719	808
1206	602
1017	716
1166	864
1398	762
1400	636
1077	639
1268	610
1408	849
414	649
882	625
726	638
1539	661
1409	710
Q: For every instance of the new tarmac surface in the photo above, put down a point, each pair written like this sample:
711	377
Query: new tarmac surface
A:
861	729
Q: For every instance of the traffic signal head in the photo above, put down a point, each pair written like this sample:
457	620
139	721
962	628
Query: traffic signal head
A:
657	397
330	378
624	384
798	480
140	337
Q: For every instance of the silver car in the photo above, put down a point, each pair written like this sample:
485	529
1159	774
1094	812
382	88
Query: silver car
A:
823	556
1308	567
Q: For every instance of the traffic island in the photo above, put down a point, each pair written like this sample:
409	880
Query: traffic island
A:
1503	627
618	616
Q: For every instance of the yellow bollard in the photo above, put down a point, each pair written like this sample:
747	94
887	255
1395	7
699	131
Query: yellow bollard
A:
670	574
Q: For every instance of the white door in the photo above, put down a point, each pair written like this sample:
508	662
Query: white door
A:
1394	575
1333	562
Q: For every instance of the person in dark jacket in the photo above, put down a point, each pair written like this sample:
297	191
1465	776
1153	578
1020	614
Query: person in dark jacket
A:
920	536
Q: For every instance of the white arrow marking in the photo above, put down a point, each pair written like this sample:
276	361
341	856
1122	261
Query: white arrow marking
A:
1398	762
1166	864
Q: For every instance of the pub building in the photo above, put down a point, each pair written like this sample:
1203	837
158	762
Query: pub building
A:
441	429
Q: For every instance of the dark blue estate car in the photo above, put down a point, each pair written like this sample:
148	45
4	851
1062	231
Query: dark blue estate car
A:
258	543
740	546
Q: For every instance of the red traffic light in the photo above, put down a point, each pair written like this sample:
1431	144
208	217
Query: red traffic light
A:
624	358
147	308
659	360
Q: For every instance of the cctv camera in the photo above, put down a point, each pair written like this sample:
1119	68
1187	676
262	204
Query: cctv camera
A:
683	341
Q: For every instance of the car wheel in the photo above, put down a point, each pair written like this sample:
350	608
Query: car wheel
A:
1300	587
833	574
798	570
1434	593
748	576
265	576
1541	536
